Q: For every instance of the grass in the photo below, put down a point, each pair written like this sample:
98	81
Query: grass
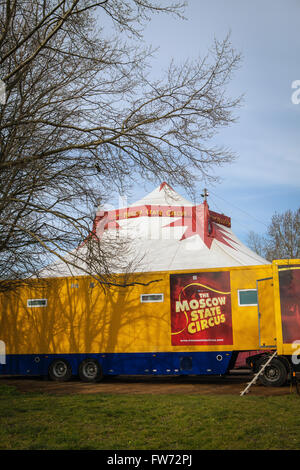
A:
36	421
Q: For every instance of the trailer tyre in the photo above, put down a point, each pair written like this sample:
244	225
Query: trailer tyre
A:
60	370
90	371
274	375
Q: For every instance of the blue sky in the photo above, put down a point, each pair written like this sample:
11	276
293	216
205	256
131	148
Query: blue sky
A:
266	175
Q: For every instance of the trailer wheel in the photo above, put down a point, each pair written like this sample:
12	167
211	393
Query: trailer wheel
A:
60	370
274	375
90	371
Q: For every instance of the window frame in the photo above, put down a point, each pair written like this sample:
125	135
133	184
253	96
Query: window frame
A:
37	306
247	305
151	301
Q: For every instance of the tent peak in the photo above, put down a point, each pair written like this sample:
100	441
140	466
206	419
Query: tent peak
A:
205	195
165	185
163	195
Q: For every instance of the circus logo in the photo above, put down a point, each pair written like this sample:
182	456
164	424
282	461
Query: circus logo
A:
201	309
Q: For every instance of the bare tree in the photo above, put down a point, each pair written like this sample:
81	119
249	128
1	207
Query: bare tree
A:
257	243
82	118
282	240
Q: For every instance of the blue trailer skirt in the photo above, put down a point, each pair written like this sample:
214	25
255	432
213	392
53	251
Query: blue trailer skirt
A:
169	363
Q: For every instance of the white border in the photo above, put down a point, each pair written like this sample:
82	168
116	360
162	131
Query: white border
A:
246	305
151	301
35	306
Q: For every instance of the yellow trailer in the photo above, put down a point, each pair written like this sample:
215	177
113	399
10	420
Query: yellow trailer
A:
279	322
166	323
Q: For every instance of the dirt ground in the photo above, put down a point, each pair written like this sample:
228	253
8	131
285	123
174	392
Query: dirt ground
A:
233	384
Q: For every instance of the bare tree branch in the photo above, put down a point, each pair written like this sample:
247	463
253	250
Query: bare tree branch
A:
83	119
282	240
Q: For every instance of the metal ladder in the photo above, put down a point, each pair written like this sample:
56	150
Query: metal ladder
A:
258	374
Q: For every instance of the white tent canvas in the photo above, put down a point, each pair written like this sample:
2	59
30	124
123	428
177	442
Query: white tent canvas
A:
166	232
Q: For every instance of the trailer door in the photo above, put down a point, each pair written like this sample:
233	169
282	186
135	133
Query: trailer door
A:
266	317
289	292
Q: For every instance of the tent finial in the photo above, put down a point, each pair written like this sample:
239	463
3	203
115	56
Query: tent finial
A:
205	195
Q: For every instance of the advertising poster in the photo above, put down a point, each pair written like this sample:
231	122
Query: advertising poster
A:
201	309
289	287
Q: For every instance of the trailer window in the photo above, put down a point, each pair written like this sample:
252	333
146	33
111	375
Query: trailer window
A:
247	297
36	302
152	297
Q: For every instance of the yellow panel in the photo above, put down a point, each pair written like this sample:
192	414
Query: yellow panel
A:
245	318
267	328
88	319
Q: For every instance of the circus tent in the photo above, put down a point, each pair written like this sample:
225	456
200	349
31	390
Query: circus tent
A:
166	232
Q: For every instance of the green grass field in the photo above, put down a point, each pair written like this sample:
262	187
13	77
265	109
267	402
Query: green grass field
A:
140	422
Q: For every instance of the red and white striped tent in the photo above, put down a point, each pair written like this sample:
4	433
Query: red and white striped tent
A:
166	232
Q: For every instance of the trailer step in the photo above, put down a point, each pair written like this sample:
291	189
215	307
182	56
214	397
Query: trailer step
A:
253	381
